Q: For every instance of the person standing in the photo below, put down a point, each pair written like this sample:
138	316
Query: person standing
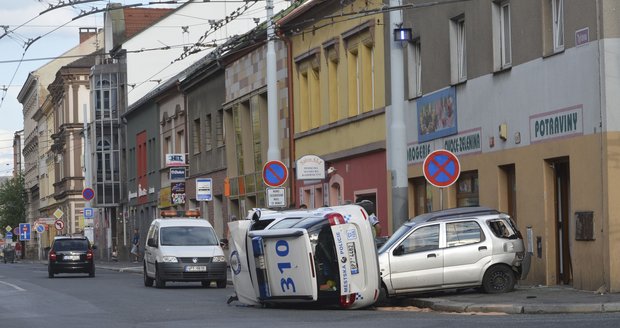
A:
135	242
369	206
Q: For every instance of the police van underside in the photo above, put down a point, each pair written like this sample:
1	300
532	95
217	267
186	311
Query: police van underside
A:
324	256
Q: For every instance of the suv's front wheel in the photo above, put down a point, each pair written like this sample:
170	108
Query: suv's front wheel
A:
498	279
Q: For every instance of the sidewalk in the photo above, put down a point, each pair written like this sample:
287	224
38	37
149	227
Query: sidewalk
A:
523	300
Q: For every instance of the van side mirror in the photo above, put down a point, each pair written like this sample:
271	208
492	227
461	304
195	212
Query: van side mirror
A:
224	242
94	247
151	243
400	250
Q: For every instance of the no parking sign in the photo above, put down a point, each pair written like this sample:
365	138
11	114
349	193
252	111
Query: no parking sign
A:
441	168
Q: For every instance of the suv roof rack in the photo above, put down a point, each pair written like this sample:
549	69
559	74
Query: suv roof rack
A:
452	213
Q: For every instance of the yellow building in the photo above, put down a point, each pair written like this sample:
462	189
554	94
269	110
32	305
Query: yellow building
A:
338	87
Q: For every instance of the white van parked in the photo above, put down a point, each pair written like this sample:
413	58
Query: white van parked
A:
326	255
183	249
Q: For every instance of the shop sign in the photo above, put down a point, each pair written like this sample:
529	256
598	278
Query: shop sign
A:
464	143
175	160
177	173
416	153
557	124
310	167
178	193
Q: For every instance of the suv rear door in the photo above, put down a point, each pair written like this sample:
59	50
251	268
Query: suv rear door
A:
466	253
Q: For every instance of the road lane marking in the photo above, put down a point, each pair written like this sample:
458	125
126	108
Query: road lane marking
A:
11	285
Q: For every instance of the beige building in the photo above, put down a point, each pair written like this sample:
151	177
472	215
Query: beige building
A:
38	128
525	94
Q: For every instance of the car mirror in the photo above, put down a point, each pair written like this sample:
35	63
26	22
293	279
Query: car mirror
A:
400	250
151	242
94	246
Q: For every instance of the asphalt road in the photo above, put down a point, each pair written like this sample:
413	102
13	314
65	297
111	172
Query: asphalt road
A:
28	298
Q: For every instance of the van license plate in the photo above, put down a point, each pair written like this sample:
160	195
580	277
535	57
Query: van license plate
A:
195	268
352	258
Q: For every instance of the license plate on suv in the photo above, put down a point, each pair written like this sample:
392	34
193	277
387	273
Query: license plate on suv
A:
71	257
195	268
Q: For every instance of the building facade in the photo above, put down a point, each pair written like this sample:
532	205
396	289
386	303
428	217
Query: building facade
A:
204	92
245	116
337	74
524	93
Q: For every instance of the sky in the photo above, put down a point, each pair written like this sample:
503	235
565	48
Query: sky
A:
57	33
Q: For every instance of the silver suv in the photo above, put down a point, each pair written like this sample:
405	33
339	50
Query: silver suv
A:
455	248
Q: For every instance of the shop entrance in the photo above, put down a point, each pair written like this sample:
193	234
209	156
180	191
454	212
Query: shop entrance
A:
561	206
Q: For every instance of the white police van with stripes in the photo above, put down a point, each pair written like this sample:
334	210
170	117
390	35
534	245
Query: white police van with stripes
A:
326	256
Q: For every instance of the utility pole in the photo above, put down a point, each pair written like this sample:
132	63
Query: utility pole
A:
397	147
273	151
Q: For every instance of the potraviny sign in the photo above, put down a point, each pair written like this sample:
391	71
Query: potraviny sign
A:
565	122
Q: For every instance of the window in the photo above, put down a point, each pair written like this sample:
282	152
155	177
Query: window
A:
458	50
219	128
557	11
421	240
208	133
502	54
197	136
467	192
354	82
333	90
502	229
359	44
463	233
308	68
414	68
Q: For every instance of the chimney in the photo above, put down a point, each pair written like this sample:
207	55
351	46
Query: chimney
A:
86	33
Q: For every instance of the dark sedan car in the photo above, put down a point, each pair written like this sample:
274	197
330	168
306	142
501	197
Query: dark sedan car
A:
71	254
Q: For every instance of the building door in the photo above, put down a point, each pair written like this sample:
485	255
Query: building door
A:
562	188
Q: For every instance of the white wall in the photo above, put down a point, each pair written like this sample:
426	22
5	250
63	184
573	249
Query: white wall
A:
156	65
540	86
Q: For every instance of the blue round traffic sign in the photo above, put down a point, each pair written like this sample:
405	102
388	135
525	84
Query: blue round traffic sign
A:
441	168
275	173
88	193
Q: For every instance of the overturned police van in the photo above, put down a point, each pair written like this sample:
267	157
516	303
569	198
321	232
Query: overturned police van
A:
325	255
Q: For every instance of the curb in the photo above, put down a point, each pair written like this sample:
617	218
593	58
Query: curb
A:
459	307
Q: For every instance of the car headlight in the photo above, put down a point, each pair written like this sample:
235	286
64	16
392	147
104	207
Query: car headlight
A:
219	259
169	259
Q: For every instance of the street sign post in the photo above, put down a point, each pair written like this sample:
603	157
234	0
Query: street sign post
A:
275	173
89	213
441	168
204	189
59	224
24	231
88	194
276	197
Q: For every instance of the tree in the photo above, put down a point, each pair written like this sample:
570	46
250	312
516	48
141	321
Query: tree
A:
13	201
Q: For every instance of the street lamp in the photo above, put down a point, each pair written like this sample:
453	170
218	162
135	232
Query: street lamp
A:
402	34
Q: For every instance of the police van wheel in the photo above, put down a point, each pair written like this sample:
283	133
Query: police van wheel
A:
148	281
159	282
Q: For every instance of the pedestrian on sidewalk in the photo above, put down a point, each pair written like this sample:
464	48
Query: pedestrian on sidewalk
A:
135	248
